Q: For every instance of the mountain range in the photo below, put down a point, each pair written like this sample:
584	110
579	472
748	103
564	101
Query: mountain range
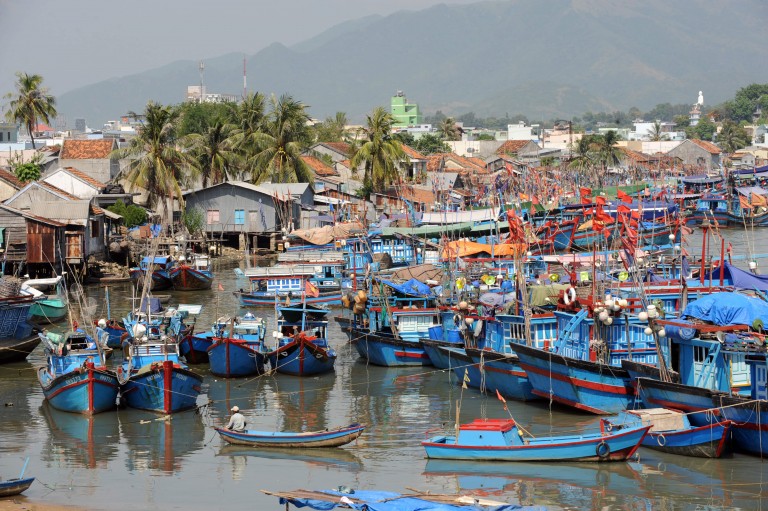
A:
544	59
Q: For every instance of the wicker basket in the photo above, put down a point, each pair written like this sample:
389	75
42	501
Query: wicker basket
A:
10	286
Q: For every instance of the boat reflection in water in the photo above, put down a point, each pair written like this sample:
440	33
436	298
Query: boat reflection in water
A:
303	403
338	459
160	443
581	485
79	440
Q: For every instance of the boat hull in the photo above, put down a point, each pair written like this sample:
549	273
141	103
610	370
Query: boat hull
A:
186	278
503	373
233	358
440	358
160	279
258	300
49	311
677	396
15	486
584	385
383	350
161	387
313	439
87	390
750	418
594	447
194	348
16	350
302	358
699	442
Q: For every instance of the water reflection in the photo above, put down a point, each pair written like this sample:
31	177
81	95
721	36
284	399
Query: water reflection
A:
77	440
304	402
160	443
324	459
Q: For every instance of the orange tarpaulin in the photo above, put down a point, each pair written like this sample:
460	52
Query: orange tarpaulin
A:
463	248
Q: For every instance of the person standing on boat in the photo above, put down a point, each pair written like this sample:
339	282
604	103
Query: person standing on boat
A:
236	421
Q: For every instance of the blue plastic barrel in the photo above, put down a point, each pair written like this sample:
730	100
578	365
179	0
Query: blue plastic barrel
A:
436	332
455	336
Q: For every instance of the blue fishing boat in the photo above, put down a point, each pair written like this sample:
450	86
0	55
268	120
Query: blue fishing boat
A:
289	282
194	275
672	432
159	267
583	368
152	376
239	351
113	332
18	336
503	440
75	377
302	347
194	346
49	308
446	334
11	487
289	439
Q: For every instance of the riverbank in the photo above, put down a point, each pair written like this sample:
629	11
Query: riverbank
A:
21	503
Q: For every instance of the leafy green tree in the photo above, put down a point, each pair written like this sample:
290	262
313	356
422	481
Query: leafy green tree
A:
157	164
132	214
215	159
26	171
199	117
732	137
430	143
485	136
704	130
280	145
682	121
746	101
449	130
30	103
378	152
193	220
332	129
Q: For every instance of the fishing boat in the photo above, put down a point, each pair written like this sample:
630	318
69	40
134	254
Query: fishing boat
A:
75	377
325	438
672	432
18	336
289	282
191	275
49	308
11	487
302	347
239	350
152	376
158	267
503	440
194	347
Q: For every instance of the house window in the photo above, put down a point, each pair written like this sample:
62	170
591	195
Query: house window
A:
213	216
239	217
94	228
2	135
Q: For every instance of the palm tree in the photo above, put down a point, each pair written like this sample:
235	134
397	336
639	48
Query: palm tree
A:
31	103
332	128
732	137
213	153
379	151
608	152
279	146
158	165
448	129
656	132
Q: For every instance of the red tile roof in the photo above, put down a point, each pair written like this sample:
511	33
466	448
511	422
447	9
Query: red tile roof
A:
85	177
634	156
319	167
10	177
86	149
413	153
511	146
707	146
42	127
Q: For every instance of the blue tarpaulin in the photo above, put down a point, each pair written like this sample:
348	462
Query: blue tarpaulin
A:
411	288
388	501
738	278
728	309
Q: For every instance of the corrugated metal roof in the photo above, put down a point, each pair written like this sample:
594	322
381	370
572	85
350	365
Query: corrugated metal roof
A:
72	212
282	189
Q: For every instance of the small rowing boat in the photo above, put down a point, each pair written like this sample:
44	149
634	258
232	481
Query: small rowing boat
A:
326	438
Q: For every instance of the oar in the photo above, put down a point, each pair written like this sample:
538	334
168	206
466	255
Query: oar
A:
24	468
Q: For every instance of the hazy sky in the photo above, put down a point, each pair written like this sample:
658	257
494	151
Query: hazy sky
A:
77	42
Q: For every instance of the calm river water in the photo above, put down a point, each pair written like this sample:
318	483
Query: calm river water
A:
129	460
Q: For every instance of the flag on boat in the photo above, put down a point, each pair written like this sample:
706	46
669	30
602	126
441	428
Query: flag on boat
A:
501	398
311	290
466	379
623	197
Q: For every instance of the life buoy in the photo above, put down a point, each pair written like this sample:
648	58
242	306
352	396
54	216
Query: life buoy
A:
569	296
661	440
602	450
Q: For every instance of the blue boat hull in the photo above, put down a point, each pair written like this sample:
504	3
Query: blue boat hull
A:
302	358
161	387
584	385
264	300
15	486
750	418
677	396
233	358
85	391
440	358
387	351
503	373
185	278
194	348
592	447
160	279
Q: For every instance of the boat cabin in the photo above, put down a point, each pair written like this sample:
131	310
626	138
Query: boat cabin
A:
490	433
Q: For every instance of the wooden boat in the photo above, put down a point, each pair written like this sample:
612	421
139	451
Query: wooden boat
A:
502	440
326	438
15	486
75	378
194	276
288	282
18	337
302	346
671	432
159	266
361	499
49	308
240	351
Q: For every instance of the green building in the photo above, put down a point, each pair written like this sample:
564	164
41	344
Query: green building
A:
405	114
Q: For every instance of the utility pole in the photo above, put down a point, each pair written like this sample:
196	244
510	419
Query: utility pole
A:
202	70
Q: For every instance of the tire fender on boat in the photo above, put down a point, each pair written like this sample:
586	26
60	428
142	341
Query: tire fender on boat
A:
603	450
569	295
